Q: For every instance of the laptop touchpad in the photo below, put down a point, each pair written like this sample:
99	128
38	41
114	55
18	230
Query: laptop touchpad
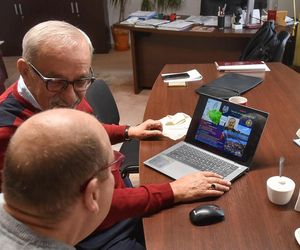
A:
171	167
161	161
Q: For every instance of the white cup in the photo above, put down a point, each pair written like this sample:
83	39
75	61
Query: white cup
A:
280	189
238	100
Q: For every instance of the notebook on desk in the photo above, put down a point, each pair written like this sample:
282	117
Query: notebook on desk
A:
228	85
222	138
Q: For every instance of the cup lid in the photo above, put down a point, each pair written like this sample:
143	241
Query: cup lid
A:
281	184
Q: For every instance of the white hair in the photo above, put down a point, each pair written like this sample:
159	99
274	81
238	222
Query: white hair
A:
58	34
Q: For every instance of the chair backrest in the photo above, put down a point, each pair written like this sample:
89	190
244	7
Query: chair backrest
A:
103	103
255	49
105	109
266	44
283	36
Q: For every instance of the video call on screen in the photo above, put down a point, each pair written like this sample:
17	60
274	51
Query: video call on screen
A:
226	128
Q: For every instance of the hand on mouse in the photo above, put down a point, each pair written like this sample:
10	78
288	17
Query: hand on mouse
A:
199	185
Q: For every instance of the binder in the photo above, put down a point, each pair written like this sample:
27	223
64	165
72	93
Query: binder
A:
228	85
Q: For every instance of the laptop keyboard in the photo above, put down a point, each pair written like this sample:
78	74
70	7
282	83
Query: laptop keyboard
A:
201	160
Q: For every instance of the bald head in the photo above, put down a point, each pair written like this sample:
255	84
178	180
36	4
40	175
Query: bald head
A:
50	157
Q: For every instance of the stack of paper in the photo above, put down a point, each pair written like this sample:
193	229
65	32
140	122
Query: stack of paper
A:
194	75
290	21
242	66
130	21
150	23
143	15
176	25
209	20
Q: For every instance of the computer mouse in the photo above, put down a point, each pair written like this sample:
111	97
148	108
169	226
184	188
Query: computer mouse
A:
207	214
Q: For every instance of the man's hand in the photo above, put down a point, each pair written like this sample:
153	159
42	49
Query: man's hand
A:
199	185
146	129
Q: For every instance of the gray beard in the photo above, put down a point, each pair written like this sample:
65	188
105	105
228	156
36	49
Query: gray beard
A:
58	103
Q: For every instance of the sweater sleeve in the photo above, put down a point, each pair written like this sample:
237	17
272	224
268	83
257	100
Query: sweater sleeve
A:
115	133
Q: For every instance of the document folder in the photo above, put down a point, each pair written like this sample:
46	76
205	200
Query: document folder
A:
230	84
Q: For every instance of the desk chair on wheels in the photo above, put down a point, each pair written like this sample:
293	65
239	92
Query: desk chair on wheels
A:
105	110
266	44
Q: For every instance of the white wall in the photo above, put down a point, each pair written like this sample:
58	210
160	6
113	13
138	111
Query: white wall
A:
288	5
190	7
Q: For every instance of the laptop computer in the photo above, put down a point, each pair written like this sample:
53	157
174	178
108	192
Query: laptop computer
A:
221	138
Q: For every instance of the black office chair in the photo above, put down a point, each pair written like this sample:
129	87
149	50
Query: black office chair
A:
266	44
105	110
283	36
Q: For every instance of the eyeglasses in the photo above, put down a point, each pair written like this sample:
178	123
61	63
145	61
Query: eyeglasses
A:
59	84
115	165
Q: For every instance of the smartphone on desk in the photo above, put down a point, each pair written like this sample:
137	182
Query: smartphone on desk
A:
175	76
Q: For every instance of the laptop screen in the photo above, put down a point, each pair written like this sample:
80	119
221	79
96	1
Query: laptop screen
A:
227	129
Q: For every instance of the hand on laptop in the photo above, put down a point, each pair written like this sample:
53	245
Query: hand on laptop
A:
146	129
199	185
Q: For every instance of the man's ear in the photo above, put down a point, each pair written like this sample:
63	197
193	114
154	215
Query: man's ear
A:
23	68
91	196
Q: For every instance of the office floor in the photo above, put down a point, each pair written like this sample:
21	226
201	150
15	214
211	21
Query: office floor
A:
116	69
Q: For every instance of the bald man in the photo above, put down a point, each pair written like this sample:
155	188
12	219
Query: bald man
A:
56	71
57	181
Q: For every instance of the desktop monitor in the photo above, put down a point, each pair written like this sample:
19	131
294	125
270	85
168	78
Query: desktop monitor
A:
250	6
210	7
258	4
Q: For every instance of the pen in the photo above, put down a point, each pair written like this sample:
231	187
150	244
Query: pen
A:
223	10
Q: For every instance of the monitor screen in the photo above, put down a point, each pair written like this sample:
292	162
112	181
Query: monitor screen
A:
226	129
258	4
210	7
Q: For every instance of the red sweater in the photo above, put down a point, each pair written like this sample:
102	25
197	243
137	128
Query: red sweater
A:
127	202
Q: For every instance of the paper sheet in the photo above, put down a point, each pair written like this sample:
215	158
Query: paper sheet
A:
176	126
297	141
194	75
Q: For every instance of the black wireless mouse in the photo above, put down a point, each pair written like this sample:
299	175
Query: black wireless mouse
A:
207	214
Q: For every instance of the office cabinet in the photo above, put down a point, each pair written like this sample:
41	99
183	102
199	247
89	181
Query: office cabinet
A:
92	17
3	73
11	26
18	16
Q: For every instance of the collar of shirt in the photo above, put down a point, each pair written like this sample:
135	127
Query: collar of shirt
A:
26	94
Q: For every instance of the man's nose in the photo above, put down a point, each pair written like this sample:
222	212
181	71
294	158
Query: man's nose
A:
69	95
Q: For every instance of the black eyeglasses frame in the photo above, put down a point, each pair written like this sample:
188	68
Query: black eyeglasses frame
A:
63	83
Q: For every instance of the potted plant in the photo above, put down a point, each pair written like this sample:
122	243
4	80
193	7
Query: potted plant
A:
161	5
120	36
147	5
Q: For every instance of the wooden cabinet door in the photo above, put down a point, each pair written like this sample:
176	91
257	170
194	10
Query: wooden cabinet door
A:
16	18
11	27
63	10
3	73
93	19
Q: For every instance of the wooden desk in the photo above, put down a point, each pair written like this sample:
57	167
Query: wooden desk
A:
151	49
251	221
